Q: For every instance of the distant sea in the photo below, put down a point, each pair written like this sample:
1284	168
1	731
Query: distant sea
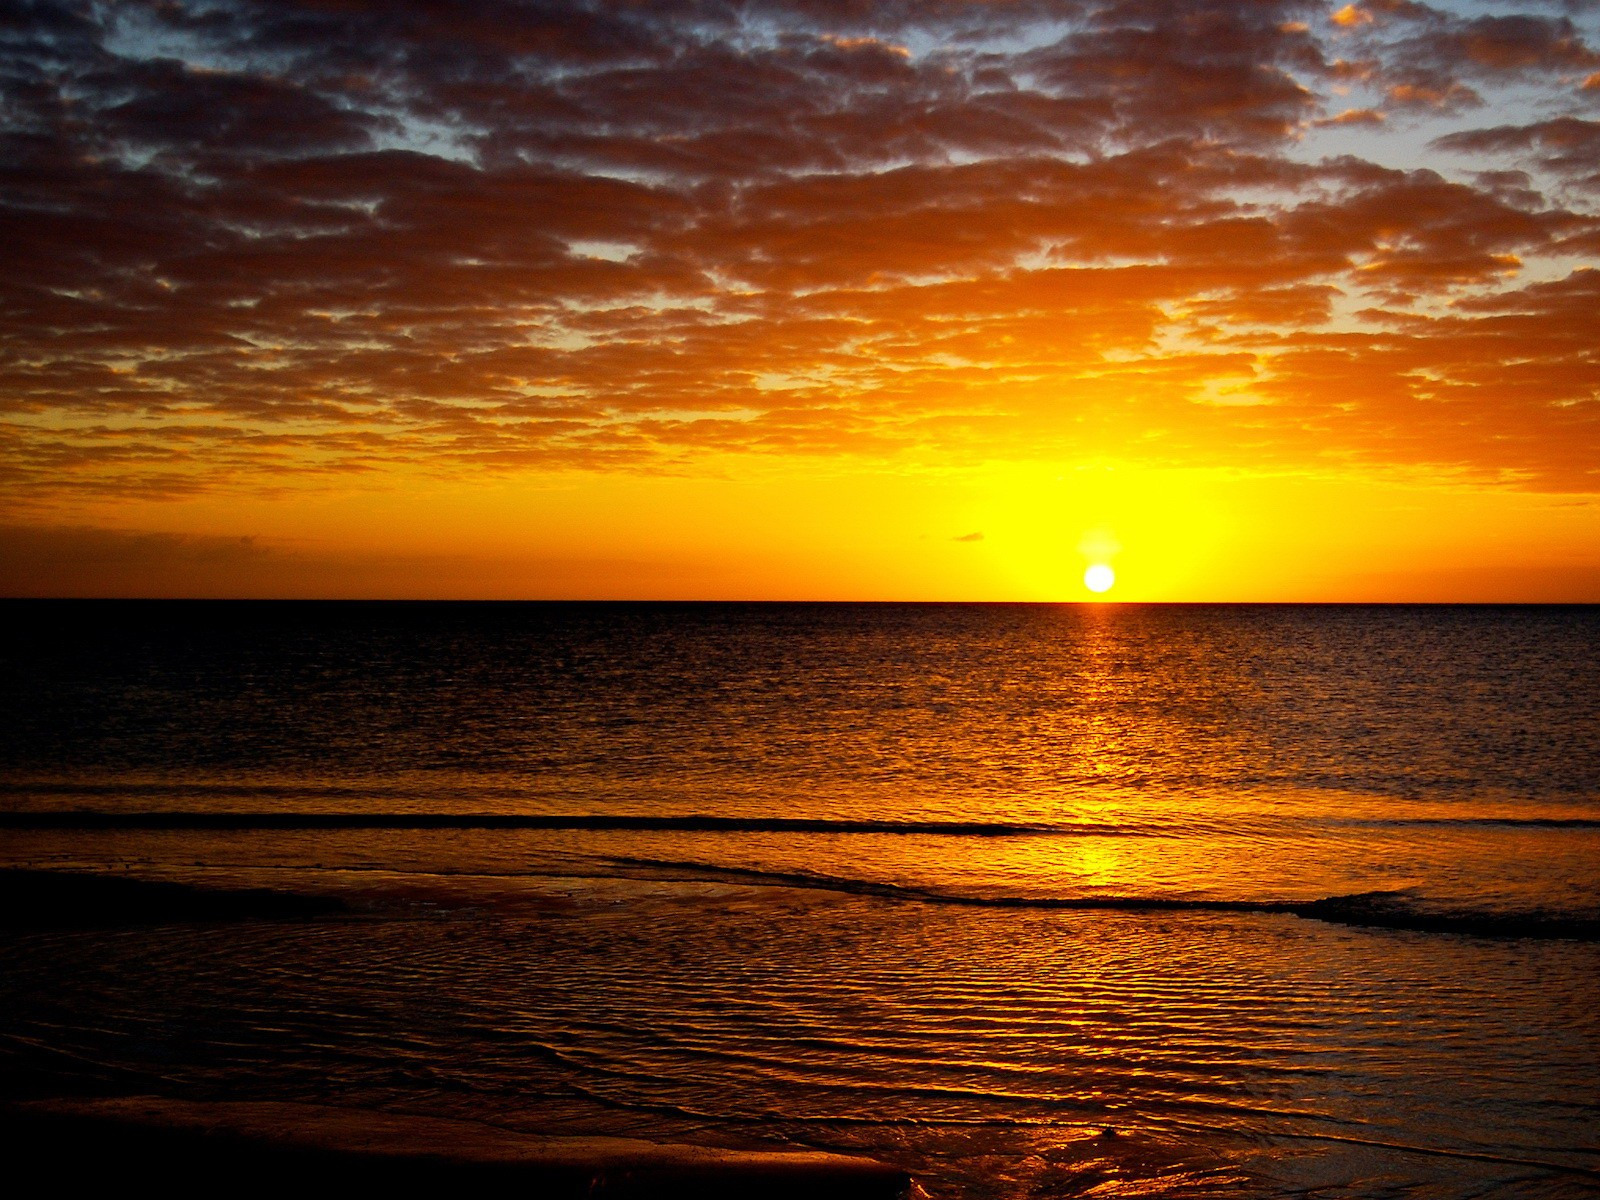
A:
1033	900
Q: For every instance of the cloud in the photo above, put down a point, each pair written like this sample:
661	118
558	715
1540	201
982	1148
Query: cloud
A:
968	537
48	560
1568	146
72	561
277	247
1431	58
1355	116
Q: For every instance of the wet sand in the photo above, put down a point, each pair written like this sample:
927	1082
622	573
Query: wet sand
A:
252	1146
33	899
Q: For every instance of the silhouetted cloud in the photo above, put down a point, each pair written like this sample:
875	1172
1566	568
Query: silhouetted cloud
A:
45	560
1566	146
253	243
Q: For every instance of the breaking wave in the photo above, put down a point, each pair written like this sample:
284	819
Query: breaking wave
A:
691	823
1382	910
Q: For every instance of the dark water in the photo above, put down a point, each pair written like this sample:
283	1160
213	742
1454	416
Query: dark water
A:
1296	899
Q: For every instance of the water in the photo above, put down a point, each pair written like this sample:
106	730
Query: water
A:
1294	899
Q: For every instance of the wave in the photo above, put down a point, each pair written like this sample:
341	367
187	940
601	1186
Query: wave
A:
1493	822
1390	910
210	789
72	897
689	823
1380	910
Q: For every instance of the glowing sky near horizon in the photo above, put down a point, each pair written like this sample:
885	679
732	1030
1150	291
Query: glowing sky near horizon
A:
801	299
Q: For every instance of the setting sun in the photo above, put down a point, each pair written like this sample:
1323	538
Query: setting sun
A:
642	483
809	346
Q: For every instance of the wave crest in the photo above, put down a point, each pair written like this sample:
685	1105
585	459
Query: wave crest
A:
1381	910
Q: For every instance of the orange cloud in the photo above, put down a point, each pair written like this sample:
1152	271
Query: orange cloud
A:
1355	116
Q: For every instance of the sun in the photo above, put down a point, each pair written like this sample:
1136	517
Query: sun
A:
1099	578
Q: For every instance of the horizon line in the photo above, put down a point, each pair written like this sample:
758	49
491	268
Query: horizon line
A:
1097	602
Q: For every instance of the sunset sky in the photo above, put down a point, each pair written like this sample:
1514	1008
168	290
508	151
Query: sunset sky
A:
834	299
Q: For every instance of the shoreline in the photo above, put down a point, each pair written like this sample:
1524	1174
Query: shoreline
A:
193	1144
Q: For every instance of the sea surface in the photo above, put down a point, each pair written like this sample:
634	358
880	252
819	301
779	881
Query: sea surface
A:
1033	900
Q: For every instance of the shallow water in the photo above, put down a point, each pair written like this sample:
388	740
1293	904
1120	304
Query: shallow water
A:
958	886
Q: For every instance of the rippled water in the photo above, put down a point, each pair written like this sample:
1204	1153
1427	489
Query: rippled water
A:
1290	898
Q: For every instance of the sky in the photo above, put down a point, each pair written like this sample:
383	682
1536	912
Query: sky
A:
801	299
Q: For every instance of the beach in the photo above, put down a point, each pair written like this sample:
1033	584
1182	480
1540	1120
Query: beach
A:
1009	902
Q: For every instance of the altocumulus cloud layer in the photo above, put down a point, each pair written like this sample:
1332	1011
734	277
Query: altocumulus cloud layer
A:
247	243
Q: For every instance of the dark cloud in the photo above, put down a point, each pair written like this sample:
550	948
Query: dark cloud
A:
1519	43
1569	146
1431	58
180	109
49	560
45	560
256	245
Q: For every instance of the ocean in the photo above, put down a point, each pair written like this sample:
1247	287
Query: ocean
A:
1032	900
